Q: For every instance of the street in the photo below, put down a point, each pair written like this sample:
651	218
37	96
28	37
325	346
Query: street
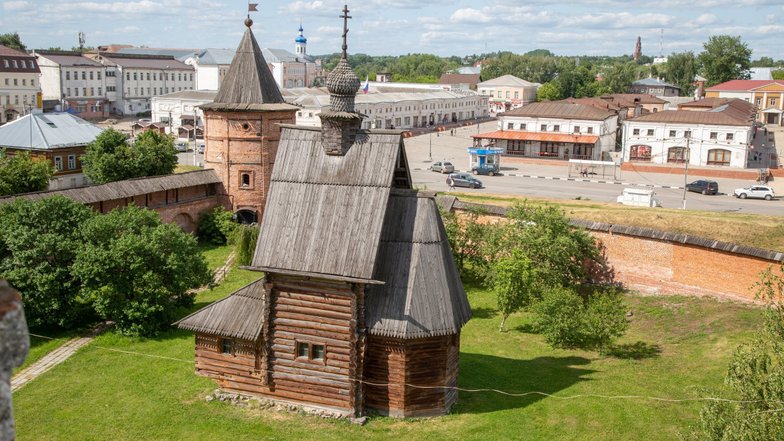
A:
445	147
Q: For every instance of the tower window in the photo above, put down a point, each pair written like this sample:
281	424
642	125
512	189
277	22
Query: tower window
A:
245	180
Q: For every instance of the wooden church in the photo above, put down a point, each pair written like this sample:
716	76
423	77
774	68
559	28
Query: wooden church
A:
360	305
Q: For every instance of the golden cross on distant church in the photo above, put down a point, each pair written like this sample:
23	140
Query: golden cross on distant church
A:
345	18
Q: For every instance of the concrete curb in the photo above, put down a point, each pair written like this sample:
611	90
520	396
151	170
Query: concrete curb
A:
593	181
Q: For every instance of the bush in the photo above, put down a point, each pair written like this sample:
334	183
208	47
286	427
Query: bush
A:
39	241
570	321
217	226
21	173
137	271
245	237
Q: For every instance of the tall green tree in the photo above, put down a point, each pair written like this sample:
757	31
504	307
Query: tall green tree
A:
21	173
110	158
13	41
549	92
681	70
619	77
725	58
38	246
138	271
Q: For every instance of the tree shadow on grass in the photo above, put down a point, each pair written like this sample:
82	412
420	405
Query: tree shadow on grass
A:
542	374
484	313
634	351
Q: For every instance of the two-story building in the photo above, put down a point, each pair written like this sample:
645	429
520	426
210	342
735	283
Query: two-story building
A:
766	95
20	85
555	130
508	92
59	138
77	82
132	79
719	135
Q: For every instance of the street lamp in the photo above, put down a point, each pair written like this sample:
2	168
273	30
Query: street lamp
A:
686	171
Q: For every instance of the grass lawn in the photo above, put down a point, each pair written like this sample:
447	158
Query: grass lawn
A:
676	347
182	168
745	229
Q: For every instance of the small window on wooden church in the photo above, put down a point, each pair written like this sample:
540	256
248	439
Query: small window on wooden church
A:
318	352
303	350
227	346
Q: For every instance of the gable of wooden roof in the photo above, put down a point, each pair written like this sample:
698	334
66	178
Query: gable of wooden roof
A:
422	294
238	315
324	213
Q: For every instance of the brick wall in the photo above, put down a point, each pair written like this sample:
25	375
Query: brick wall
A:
693	171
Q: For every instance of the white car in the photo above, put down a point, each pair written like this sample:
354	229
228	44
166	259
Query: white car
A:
755	191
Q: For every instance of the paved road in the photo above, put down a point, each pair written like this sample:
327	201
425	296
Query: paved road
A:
453	148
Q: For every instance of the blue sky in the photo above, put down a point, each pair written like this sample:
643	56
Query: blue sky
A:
394	27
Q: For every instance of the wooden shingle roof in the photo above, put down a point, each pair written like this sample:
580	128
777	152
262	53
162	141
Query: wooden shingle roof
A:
248	85
422	295
239	315
125	189
324	214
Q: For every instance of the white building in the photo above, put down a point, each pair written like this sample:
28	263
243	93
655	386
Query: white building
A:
132	80
20	85
75	81
395	107
508	92
555	130
383	107
719	135
180	111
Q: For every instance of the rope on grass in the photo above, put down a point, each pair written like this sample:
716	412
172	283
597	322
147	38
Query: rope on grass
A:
481	390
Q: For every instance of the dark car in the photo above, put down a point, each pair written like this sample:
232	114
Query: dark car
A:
704	187
463	180
485	169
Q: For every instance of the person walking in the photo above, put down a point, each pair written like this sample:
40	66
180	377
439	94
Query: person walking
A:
451	182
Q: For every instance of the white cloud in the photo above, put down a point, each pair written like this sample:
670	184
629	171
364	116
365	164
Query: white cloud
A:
19	5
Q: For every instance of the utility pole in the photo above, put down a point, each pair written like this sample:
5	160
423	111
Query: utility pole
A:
430	151
686	172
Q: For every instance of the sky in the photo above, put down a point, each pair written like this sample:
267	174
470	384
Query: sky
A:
397	27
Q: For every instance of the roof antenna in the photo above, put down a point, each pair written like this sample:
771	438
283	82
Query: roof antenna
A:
82	40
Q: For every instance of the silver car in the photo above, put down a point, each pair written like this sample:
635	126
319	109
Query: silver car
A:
755	191
442	167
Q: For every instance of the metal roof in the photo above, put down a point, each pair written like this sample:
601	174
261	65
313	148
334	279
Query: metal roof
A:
507	81
216	56
653	82
46	131
171	52
238	315
743	85
730	112
538	136
560	109
423	295
136	61
68	58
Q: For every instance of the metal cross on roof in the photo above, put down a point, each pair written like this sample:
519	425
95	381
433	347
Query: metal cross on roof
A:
345	18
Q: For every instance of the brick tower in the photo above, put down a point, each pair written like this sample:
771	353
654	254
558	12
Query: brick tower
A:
242	129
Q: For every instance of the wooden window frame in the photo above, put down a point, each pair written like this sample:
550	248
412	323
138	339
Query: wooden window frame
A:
310	345
232	347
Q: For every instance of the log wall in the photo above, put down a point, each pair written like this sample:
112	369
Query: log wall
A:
393	364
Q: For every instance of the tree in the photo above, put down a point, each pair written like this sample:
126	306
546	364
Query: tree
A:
12	40
217	226
756	375
763	62
681	70
38	245
110	158
549	92
514	282
570	321
725	58
138	271
618	78
21	173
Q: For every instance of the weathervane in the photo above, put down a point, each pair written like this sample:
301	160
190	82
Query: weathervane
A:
345	18
251	8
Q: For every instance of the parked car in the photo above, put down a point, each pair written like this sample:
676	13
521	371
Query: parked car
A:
200	148
755	191
703	186
443	167
463	180
485	169
181	146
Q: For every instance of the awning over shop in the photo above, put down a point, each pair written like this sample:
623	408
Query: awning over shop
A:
772	110
538	136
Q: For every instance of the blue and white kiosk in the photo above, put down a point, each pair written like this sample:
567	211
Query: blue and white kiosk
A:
485	160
